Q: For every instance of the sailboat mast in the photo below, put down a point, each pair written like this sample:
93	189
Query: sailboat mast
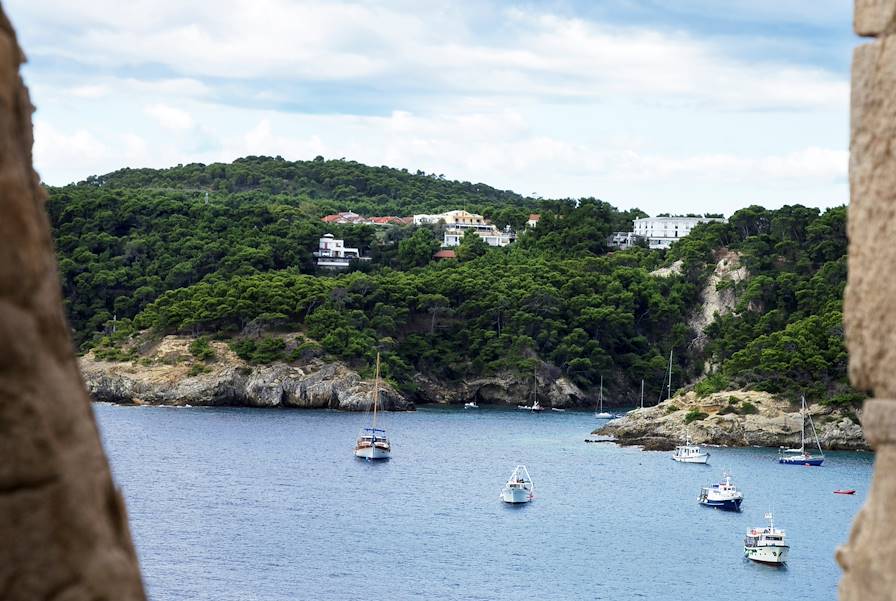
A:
601	397
670	374
376	389
642	393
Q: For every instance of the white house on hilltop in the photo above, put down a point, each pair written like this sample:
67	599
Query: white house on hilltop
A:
334	254
661	232
460	222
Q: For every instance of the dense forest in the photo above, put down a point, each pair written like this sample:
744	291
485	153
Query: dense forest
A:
225	251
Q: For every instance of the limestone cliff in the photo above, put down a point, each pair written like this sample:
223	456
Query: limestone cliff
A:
164	377
718	296
737	418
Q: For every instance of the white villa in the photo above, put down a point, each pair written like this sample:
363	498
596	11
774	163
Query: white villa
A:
661	232
334	254
460	222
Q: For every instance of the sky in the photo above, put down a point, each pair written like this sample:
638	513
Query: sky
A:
665	105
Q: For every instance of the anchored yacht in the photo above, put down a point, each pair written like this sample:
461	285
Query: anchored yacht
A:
766	545
723	495
519	488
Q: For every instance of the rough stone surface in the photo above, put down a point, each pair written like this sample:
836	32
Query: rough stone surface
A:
776	423
713	301
875	17
63	529
230	381
870	299
501	389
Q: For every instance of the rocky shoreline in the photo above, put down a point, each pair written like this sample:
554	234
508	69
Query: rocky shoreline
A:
167	374
733	419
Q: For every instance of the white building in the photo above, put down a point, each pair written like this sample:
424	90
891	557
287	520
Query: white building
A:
334	254
491	235
534	218
661	232
622	240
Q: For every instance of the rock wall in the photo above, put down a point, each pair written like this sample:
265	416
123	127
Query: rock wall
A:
317	385
869	559
500	389
63	529
713	301
775	423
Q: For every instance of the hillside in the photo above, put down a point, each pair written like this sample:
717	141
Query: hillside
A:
141	251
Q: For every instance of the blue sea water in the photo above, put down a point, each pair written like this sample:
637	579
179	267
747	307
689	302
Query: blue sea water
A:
255	504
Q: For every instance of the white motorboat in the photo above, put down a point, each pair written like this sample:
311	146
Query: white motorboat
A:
690	453
801	456
723	495
372	442
519	488
599	412
471	405
766	545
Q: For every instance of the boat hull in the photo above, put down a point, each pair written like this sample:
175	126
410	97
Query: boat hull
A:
723	504
812	461
767	554
516	495
703	458
372	453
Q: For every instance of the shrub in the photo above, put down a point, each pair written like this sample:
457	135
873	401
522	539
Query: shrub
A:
266	350
845	399
710	384
694	415
201	349
671	409
198	368
727	410
748	408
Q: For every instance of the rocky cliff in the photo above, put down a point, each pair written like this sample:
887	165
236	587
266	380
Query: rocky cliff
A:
735	419
501	389
163	377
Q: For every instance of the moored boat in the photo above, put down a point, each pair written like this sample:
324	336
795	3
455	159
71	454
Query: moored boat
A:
599	412
801	456
690	453
519	488
766	545
471	405
723	495
372	443
848	491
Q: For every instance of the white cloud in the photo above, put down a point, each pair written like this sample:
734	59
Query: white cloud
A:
170	117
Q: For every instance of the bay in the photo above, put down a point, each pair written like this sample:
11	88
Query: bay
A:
245	504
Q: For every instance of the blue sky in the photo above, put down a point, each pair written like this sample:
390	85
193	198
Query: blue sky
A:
661	104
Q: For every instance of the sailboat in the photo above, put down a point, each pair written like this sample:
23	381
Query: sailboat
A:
372	442
800	456
600	413
534	406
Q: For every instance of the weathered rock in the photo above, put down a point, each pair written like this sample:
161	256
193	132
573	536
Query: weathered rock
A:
665	272
776	423
713	301
63	528
874	17
870	299
501	389
230	381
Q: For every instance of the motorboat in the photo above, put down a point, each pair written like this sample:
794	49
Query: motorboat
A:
372	443
690	453
766	545
471	405
519	488
848	491
723	495
801	456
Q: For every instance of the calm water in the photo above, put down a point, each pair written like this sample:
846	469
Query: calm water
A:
242	504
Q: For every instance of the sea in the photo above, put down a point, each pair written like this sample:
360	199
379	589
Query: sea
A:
266	504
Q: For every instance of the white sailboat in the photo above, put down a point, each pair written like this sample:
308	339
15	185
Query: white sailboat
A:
801	456
372	443
599	412
535	406
519	488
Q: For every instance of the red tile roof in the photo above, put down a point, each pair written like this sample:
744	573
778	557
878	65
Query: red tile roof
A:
445	254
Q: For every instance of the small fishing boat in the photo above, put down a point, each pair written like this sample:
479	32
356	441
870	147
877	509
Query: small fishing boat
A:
801	456
766	545
849	491
519	488
372	443
599	412
690	453
471	405
558	409
723	495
